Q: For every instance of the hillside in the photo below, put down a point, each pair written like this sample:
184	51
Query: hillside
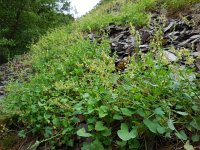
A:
124	76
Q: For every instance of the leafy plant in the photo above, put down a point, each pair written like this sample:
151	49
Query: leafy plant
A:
76	94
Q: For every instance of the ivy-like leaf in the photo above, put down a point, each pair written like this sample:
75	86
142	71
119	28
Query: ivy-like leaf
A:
159	111
151	125
99	126
81	132
188	146
103	111
106	132
126	112
124	133
161	129
117	117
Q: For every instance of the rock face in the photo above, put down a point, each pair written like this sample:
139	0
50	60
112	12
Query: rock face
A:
176	33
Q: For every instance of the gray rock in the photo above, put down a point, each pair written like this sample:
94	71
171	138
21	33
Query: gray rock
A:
198	47
170	56
196	54
197	64
169	27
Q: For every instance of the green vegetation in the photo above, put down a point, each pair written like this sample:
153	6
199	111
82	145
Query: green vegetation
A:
75	84
22	22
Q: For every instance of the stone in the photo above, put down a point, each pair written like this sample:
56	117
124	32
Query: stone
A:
169	27
170	56
198	47
196	54
197	64
177	34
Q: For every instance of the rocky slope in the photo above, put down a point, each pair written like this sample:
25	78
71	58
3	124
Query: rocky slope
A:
179	37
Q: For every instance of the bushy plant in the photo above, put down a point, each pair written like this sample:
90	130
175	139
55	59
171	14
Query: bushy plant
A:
75	95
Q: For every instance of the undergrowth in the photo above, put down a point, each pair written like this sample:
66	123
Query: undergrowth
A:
75	95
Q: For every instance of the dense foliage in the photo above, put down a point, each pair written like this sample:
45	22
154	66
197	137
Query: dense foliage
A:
75	95
22	22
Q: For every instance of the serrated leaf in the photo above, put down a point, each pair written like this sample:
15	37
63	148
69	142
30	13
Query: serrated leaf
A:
99	126
151	125
188	146
117	117
170	124
126	112
81	132
181	135
95	145
159	111
124	133
182	113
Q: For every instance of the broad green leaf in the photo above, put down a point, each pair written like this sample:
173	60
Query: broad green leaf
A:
121	143
159	111
195	124
188	146
195	138
195	108
170	124
56	121
103	111
134	132
106	132
95	145
81	132
99	126
142	113
48	132
161	129
116	108
181	135
151	125
126	112
135	144
117	117
124	133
